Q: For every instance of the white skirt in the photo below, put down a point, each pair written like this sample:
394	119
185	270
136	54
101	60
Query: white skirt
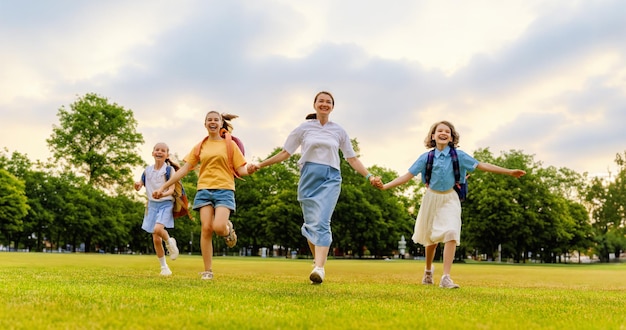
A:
439	218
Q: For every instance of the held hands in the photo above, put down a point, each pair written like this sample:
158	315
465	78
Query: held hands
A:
376	182
252	168
157	193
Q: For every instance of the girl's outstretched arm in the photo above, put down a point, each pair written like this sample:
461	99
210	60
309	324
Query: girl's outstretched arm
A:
499	170
398	181
277	158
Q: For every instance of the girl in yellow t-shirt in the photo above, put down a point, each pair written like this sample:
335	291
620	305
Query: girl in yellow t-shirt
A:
215	198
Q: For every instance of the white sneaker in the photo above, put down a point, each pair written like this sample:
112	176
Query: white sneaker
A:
165	271
317	275
206	275
446	282
171	246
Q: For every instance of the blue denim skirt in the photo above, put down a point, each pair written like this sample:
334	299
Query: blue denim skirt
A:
318	192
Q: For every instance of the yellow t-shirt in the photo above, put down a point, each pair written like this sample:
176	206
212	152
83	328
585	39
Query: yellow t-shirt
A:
215	172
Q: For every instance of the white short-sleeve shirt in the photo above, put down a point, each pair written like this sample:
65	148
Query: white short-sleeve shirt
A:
319	143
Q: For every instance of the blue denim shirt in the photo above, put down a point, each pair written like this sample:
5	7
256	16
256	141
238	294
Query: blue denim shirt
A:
442	177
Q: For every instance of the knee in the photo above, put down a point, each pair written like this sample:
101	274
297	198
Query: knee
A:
207	230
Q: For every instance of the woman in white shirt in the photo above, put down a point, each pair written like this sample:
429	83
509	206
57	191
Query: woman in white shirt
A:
320	179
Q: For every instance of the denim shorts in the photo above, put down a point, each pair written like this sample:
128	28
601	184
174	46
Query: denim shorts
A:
215	198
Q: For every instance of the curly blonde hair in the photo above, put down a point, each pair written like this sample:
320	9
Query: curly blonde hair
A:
430	143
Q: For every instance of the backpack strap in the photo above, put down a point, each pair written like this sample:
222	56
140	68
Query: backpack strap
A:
199	147
429	167
168	172
229	150
455	166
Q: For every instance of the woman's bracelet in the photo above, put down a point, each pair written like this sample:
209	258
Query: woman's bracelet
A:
367	177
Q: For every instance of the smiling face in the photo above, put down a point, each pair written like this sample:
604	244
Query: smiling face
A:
442	135
213	122
323	104
160	152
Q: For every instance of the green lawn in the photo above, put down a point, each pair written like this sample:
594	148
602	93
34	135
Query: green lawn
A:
91	291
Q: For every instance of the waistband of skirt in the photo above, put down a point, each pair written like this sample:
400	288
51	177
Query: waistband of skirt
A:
440	192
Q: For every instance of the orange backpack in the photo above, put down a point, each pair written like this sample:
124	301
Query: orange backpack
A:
229	149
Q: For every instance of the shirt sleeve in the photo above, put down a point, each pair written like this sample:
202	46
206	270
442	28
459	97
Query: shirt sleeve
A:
467	163
346	145
294	140
191	158
419	166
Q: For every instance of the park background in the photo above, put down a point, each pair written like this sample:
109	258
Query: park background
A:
528	84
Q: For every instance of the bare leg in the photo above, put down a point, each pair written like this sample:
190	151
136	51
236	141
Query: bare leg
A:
449	250
321	255
220	224
206	236
312	247
430	255
158	236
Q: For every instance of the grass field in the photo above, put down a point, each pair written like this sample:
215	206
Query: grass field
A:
99	291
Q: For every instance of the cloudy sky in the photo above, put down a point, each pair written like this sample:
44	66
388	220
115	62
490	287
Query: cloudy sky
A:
544	77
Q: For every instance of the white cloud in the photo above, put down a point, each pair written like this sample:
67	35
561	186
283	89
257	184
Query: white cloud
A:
545	78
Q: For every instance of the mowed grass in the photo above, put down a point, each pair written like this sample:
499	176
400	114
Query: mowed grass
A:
92	291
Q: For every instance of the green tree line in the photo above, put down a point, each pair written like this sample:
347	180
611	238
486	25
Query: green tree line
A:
82	200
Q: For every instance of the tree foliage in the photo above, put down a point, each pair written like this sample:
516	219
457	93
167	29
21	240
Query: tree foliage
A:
521	218
607	204
542	216
13	205
99	140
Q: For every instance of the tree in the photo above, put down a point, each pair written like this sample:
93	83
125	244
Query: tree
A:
608	212
99	140
268	212
367	221
13	205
